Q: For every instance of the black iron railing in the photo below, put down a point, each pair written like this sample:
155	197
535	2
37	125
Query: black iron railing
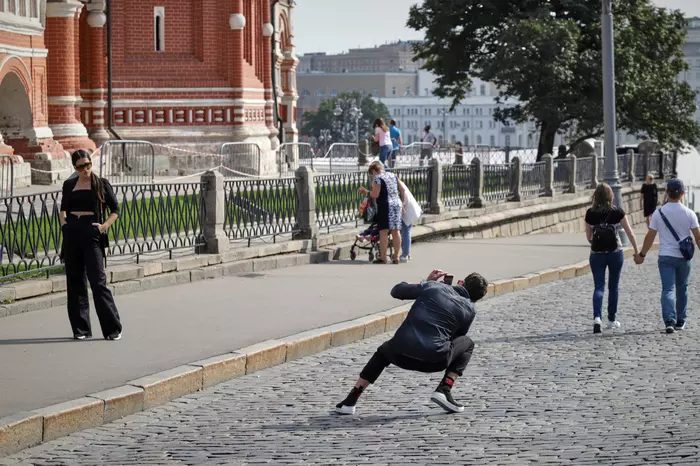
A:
497	180
458	187
259	207
534	178
640	170
584	172
562	173
653	162
157	217
418	182
601	169
623	161
30	232
338	198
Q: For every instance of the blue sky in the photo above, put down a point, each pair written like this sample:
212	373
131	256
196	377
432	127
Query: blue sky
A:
334	26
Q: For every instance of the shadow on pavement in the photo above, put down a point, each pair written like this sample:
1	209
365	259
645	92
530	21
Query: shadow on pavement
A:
568	337
40	341
338	421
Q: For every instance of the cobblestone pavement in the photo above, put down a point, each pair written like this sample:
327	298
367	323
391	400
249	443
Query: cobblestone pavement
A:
541	389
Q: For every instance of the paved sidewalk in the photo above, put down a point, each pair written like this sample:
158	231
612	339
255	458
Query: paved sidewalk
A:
541	389
167	327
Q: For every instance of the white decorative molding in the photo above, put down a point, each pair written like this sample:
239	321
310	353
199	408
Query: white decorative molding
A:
25	52
20	25
65	100
268	29
67	9
9	57
237	21
96	19
69	130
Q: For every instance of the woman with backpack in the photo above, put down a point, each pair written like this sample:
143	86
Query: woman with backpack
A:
603	221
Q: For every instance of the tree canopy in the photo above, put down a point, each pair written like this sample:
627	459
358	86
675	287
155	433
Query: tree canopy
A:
546	56
342	127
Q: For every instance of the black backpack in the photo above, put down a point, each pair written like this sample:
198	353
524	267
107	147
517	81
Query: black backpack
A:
604	236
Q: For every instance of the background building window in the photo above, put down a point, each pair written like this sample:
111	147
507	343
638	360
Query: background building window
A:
507	140
159	28
478	139
493	141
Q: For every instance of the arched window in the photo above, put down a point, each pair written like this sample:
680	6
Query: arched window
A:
493	141
478	139
159	28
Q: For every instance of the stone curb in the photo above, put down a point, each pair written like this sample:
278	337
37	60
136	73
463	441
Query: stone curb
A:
24	430
489	222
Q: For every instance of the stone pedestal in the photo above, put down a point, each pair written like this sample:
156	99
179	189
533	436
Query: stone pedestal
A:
49	169
215	237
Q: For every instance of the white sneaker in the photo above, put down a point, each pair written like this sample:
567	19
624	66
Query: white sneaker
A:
345	410
596	325
613	325
403	259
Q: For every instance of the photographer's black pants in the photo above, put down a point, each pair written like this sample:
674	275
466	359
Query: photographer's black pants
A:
83	255
459	356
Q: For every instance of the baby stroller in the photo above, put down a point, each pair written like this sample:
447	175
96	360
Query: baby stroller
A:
367	212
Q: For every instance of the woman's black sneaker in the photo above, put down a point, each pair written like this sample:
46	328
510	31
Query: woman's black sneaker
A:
680	325
443	398
670	328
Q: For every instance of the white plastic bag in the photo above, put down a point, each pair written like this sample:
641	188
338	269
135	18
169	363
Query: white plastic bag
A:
413	210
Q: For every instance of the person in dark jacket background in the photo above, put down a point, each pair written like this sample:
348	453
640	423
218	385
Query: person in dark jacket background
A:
433	338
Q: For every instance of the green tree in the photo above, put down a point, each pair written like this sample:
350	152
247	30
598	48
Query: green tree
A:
545	56
343	127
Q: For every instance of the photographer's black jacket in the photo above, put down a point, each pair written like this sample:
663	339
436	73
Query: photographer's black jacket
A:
440	314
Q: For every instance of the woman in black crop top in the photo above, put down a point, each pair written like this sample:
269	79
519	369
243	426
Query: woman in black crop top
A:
83	204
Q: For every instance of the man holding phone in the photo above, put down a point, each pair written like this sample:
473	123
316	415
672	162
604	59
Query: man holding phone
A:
433	338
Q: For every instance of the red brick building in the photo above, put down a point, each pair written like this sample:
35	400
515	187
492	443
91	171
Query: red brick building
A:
186	73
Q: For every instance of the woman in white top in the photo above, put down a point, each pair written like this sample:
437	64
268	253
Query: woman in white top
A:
382	136
675	224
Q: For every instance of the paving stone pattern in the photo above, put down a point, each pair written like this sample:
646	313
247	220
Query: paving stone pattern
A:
541	389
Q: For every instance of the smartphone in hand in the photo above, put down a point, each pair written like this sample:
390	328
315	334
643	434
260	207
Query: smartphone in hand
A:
448	279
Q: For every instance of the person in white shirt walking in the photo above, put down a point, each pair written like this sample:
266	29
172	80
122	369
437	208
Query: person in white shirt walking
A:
675	224
382	136
429	142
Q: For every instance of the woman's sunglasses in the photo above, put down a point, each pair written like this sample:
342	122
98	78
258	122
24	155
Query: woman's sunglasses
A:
84	166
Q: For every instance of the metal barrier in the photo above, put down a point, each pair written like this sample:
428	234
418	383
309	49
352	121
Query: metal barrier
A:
653	162
338	198
534	178
584	172
418	182
458	186
497	180
259	207
241	159
7	176
341	157
640	170
292	155
562	170
128	161
623	165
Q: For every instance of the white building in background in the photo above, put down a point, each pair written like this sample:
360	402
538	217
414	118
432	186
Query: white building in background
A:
470	123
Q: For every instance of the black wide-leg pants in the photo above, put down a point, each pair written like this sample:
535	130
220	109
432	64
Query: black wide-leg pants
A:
460	354
84	262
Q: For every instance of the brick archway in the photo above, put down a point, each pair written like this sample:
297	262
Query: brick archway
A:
16	116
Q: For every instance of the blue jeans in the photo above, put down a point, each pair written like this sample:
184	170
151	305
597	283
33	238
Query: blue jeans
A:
674	272
613	262
405	239
384	153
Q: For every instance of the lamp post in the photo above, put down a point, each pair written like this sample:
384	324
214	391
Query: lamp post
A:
443	111
612	176
353	112
325	137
